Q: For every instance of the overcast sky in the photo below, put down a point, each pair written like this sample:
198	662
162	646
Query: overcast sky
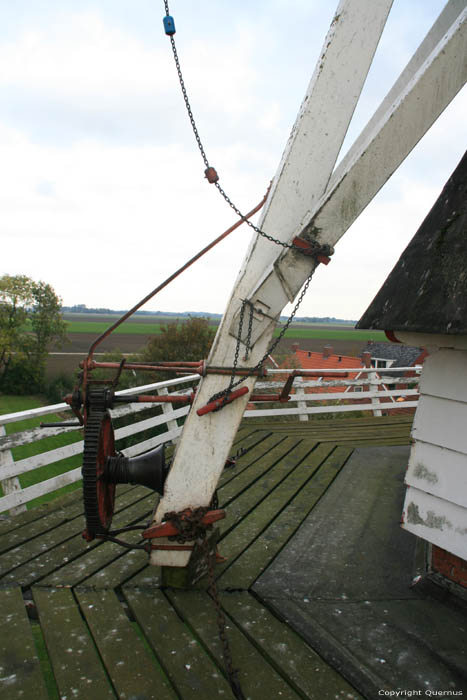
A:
101	184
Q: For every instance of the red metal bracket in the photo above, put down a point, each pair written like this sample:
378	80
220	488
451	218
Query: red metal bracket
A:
307	249
168	529
218	403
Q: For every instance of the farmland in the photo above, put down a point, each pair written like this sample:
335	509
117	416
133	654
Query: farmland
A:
83	329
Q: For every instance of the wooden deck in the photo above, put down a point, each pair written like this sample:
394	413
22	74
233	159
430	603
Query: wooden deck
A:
92	621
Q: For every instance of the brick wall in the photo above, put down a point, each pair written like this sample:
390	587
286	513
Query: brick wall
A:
447	564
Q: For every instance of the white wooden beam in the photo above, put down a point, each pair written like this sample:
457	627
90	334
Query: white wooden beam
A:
419	96
304	172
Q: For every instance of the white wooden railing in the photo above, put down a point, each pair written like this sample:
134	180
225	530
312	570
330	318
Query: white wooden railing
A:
377	394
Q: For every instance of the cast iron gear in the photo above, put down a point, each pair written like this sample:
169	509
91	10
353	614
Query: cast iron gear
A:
99	443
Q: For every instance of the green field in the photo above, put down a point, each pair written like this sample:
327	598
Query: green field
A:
295	331
97	327
332	334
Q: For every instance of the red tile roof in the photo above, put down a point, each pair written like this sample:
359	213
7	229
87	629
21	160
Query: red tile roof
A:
306	359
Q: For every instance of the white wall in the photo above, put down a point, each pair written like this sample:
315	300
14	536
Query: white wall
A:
435	505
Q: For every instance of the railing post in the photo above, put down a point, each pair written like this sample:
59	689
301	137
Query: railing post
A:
167	408
301	404
12	484
372	376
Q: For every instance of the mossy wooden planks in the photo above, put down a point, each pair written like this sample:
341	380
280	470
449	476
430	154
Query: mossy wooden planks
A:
260	452
56	520
35	514
20	672
306	486
59	553
255	473
76	664
285	650
130	665
192	672
73	572
271	495
257	677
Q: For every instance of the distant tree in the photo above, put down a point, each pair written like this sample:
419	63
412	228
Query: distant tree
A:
30	323
189	341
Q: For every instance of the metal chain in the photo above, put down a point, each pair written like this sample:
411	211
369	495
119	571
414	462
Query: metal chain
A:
191	528
272	347
232	673
318	248
225	393
250	328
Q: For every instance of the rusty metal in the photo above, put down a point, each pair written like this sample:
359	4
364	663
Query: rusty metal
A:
180	367
110	329
221	401
192	367
269	397
186	524
312	249
154	398
211	175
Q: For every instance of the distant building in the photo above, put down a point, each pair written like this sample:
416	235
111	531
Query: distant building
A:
423	303
390	355
327	359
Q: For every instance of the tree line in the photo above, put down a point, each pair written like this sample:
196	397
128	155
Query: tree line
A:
31	325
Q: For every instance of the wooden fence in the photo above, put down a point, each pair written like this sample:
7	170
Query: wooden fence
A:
367	391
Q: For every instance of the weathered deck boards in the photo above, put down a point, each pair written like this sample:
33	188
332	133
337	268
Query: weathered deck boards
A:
108	628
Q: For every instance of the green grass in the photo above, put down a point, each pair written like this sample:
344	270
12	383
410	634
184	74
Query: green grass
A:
97	327
324	334
298	331
12	404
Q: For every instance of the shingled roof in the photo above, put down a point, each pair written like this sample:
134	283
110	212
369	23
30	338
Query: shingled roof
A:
426	291
402	355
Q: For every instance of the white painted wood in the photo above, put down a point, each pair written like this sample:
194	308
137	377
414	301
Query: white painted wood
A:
141	447
51	456
436	520
300	397
167	410
302	177
441	422
449	15
432	341
346	370
381	382
10	485
384	147
61	407
260	413
372	379
349	395
28	494
445	375
438	471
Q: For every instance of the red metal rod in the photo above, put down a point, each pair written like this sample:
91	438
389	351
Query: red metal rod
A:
221	402
180	398
196	368
269	397
172	277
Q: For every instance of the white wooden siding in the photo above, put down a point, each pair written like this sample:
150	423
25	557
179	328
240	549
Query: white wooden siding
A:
435	506
441	522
